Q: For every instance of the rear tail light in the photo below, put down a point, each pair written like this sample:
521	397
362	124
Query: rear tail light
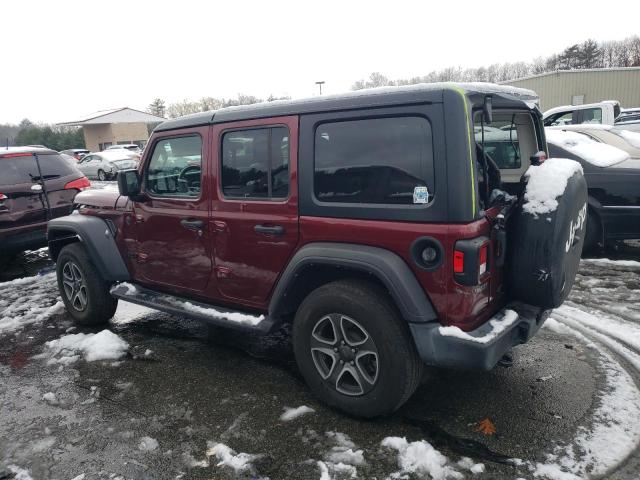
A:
3	197
458	262
482	268
471	260
79	184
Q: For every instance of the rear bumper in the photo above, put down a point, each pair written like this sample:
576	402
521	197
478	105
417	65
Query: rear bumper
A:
482	348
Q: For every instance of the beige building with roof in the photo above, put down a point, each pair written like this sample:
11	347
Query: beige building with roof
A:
577	87
117	126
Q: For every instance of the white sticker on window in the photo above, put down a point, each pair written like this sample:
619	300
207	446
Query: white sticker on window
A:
420	195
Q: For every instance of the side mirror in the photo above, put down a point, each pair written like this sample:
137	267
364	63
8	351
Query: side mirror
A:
487	110
129	183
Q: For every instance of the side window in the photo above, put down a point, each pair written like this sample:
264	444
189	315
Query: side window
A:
175	167
592	115
562	118
255	163
20	169
54	166
374	161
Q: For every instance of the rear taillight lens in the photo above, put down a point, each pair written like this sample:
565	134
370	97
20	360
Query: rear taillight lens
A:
79	184
3	197
482	260
458	261
471	260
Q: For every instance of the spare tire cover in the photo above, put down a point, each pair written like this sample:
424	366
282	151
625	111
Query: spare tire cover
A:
543	250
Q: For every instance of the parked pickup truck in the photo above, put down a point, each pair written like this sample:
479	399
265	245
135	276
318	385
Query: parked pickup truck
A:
603	112
375	222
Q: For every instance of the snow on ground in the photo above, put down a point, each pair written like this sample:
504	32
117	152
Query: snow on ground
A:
239	462
293	413
19	473
493	328
610	437
546	183
424	461
104	345
28	301
343	458
148	444
128	312
612	263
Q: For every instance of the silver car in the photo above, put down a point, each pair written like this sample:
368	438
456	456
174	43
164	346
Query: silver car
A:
105	165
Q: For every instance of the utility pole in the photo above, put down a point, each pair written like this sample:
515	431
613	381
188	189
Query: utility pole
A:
320	85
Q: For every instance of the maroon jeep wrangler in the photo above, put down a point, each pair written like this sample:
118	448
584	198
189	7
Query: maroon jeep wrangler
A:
378	223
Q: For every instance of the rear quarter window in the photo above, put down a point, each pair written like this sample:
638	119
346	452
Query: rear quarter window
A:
374	161
15	170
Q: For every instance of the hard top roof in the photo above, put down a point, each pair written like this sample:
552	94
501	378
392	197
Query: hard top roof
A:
11	150
367	98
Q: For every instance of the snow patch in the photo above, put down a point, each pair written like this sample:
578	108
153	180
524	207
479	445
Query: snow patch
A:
610	437
130	289
613	263
235	317
546	183
128	312
19	473
596	153
469	464
240	462
632	137
293	413
420	458
104	345
148	444
498	324
50	398
35	301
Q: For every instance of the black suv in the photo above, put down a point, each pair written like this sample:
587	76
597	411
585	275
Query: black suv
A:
36	185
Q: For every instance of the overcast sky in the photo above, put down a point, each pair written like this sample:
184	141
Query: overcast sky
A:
63	59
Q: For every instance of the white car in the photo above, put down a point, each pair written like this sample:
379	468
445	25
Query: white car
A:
105	165
132	147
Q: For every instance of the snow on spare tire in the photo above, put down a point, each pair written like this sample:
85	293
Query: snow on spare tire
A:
546	233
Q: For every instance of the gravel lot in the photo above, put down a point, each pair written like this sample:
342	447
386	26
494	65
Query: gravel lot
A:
183	389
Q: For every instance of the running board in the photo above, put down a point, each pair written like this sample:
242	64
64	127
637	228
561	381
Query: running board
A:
180	306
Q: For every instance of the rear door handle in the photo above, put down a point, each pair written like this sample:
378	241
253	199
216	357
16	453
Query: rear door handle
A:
192	224
275	230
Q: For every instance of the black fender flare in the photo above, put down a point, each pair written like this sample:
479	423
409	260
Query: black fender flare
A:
96	235
391	270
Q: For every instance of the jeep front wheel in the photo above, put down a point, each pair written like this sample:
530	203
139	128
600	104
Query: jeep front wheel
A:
84	293
354	350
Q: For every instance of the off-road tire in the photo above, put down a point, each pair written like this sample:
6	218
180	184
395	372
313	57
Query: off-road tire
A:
102	176
399	366
100	305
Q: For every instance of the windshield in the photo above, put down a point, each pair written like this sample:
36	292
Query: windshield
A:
632	138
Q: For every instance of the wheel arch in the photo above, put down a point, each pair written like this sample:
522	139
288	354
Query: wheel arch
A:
319	263
96	236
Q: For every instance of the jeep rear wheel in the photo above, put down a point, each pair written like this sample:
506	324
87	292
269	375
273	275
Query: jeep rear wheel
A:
354	350
84	293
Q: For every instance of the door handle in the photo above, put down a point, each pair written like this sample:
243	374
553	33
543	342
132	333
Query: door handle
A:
275	230
192	224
